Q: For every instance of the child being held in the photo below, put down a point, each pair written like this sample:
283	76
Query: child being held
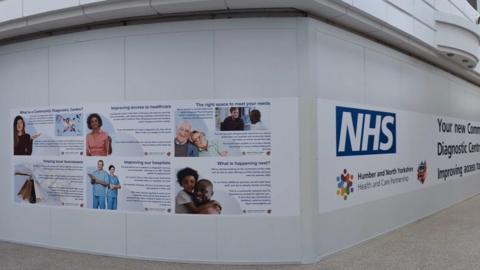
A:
203	198
184	201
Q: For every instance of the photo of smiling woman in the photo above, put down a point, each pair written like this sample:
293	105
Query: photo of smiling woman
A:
98	142
22	141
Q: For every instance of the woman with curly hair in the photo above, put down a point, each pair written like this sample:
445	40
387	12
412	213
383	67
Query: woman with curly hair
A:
98	141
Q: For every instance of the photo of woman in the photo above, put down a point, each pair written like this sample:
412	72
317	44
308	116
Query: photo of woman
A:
207	148
113	187
22	141
98	141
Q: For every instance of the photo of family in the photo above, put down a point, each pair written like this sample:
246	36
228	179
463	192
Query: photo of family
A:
190	142
22	141
196	195
105	186
68	125
238	119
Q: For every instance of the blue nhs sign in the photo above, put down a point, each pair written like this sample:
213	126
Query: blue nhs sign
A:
365	132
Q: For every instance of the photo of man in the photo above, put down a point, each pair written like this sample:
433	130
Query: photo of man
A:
99	180
256	121
183	147
233	122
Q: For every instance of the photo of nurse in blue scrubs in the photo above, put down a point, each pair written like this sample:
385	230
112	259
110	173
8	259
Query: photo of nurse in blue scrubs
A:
113	187
100	181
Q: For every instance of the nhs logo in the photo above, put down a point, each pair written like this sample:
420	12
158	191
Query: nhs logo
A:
365	132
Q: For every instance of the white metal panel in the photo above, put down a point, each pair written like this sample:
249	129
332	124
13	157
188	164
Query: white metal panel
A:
382	75
255	63
359	23
376	8
168	6
179	237
256	23
86	2
97	231
424	33
325	8
10	9
23	82
91	71
423	91
472	98
275	239
405	5
32	7
340	69
14	28
429	2
170	66
400	19
464	103
447	7
119	9
425	13
59	20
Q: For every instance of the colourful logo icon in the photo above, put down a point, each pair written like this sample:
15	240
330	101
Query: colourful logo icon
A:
422	172
344	184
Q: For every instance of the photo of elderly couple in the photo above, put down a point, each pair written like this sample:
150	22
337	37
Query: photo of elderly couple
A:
194	143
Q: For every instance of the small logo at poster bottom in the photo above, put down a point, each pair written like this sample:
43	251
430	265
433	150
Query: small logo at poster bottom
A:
422	172
344	184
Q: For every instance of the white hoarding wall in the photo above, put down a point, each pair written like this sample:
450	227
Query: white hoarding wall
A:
246	149
368	153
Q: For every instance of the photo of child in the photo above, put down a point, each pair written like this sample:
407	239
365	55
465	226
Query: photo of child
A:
195	197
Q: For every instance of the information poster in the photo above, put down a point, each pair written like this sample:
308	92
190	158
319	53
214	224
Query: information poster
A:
229	157
368	153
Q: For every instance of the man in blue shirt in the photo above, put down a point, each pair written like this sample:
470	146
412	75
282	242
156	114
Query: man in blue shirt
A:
99	180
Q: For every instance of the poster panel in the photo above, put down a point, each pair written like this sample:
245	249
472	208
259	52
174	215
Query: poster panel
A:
54	181
49	131
368	153
141	156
